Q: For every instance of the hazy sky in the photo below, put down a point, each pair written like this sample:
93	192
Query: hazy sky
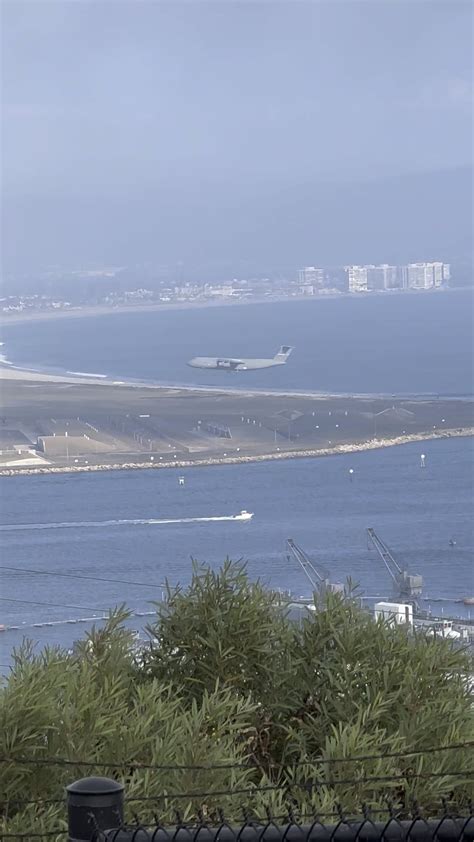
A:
170	131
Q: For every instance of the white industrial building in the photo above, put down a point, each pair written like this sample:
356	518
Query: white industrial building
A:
396	613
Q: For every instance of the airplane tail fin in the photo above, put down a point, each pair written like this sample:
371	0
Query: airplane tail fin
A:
283	354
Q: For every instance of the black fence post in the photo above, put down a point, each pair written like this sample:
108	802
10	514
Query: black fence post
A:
93	804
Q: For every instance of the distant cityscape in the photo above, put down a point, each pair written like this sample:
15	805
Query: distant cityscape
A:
383	277
61	290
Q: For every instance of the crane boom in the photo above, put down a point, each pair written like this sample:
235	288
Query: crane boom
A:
408	586
390	563
317	577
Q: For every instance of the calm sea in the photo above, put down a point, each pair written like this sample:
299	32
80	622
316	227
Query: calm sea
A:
416	511
393	343
397	344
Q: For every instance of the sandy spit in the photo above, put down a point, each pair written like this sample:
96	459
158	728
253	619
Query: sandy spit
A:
10	372
375	444
91	310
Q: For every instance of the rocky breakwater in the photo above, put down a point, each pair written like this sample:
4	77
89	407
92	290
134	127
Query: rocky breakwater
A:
357	447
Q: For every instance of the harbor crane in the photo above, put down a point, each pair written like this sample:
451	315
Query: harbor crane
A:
316	574
408	586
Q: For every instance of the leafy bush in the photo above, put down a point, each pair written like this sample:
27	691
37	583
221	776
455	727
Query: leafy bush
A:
228	679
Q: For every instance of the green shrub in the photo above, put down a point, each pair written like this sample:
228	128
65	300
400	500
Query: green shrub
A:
228	679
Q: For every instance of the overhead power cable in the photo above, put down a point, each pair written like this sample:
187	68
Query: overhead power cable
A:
309	787
33	835
291	785
54	604
82	576
171	767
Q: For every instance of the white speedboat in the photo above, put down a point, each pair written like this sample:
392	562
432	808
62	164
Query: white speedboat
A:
243	515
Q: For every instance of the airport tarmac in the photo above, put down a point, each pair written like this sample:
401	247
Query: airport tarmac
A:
72	423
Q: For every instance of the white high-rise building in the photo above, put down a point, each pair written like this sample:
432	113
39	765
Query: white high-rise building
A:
311	276
442	273
375	279
391	278
425	275
357	278
420	275
437	274
382	277
403	275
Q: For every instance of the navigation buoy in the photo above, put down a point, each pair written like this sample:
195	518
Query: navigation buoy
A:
180	480
351	474
422	461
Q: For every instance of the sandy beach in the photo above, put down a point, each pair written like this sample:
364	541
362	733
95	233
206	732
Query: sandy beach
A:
108	310
85	311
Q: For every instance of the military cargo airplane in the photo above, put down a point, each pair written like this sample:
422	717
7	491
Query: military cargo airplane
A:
235	364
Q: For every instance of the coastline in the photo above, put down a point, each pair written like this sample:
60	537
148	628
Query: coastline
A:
105	310
374	444
9	371
121	440
93	311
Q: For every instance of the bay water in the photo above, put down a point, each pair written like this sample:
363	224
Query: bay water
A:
406	344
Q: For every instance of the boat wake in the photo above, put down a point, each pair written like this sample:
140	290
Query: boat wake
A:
103	524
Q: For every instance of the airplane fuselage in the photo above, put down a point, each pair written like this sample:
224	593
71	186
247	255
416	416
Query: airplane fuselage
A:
223	364
241	364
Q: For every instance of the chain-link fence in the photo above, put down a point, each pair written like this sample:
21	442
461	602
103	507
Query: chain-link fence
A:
444	829
98	808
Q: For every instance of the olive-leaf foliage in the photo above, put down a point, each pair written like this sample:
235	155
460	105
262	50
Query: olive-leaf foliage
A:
221	628
228	680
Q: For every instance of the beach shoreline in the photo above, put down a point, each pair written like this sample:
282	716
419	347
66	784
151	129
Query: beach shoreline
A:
10	372
77	422
92	311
